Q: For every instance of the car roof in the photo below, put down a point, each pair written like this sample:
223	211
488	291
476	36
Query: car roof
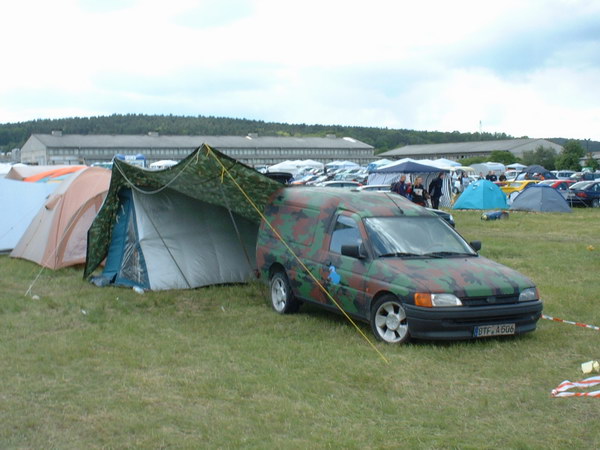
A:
363	203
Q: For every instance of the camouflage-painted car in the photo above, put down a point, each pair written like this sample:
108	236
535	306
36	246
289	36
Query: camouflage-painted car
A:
388	262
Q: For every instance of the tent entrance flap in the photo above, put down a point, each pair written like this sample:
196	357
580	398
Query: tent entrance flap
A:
125	265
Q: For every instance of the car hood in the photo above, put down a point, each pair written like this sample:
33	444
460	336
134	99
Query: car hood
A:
462	276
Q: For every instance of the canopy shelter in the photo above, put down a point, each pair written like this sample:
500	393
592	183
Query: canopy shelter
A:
193	224
541	170
540	198
391	173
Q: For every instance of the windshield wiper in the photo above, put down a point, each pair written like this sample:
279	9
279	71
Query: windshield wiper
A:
442	254
400	254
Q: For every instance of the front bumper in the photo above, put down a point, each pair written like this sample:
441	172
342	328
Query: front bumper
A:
459	322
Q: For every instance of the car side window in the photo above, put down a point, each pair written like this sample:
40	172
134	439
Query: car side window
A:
345	232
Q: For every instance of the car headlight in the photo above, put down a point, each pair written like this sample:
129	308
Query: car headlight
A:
529	294
436	300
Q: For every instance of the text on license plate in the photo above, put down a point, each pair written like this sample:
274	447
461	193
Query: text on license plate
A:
494	330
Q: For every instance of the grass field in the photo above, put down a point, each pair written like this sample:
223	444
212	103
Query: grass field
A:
88	367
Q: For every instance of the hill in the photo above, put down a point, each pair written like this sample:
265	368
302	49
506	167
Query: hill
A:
14	135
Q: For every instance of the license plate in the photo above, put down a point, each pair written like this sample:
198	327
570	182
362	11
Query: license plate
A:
494	330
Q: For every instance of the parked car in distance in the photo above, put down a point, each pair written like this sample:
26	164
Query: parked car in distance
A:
339	184
585	193
515	186
387	188
561	185
563	174
389	262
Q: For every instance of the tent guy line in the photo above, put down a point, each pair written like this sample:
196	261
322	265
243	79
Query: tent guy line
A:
209	152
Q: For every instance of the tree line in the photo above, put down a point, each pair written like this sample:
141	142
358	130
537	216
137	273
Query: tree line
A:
14	135
568	159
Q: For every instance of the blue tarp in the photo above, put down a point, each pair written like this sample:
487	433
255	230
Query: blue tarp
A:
481	194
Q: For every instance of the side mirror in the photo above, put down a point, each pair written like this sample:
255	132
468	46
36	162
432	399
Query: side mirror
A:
354	251
475	245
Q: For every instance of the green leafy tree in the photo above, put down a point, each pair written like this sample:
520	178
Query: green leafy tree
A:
543	156
570	156
473	160
591	162
503	157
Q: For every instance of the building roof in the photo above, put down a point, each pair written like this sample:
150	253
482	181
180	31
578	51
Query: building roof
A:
515	146
222	142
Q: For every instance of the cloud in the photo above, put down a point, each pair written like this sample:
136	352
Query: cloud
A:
521	68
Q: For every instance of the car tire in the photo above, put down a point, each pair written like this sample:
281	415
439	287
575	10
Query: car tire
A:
388	320
282	297
596	203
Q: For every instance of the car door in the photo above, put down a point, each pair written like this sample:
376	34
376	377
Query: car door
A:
346	275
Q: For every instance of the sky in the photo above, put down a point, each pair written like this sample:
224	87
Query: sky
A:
524	68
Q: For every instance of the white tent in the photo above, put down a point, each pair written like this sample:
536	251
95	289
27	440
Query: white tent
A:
334	165
4	168
516	166
295	167
20	202
485	168
162	164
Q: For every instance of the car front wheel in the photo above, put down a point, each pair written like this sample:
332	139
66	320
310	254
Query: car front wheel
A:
388	320
282	298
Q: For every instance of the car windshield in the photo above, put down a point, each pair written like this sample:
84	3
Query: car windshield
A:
415	236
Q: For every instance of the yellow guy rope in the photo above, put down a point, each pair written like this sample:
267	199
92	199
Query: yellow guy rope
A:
325	291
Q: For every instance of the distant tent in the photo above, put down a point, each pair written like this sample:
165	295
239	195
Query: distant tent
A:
377	164
536	168
486	167
55	174
183	227
540	198
481	194
22	171
56	237
19	203
162	164
4	169
334	165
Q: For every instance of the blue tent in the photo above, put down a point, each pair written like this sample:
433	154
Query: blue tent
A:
540	198
481	194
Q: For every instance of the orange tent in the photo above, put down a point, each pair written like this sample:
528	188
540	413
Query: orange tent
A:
57	235
53	173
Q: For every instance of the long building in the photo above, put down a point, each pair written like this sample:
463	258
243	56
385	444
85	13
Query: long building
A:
460	150
253	150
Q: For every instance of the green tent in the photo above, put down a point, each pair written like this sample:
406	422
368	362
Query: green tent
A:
189	225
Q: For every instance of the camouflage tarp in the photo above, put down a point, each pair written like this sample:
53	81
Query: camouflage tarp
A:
203	175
